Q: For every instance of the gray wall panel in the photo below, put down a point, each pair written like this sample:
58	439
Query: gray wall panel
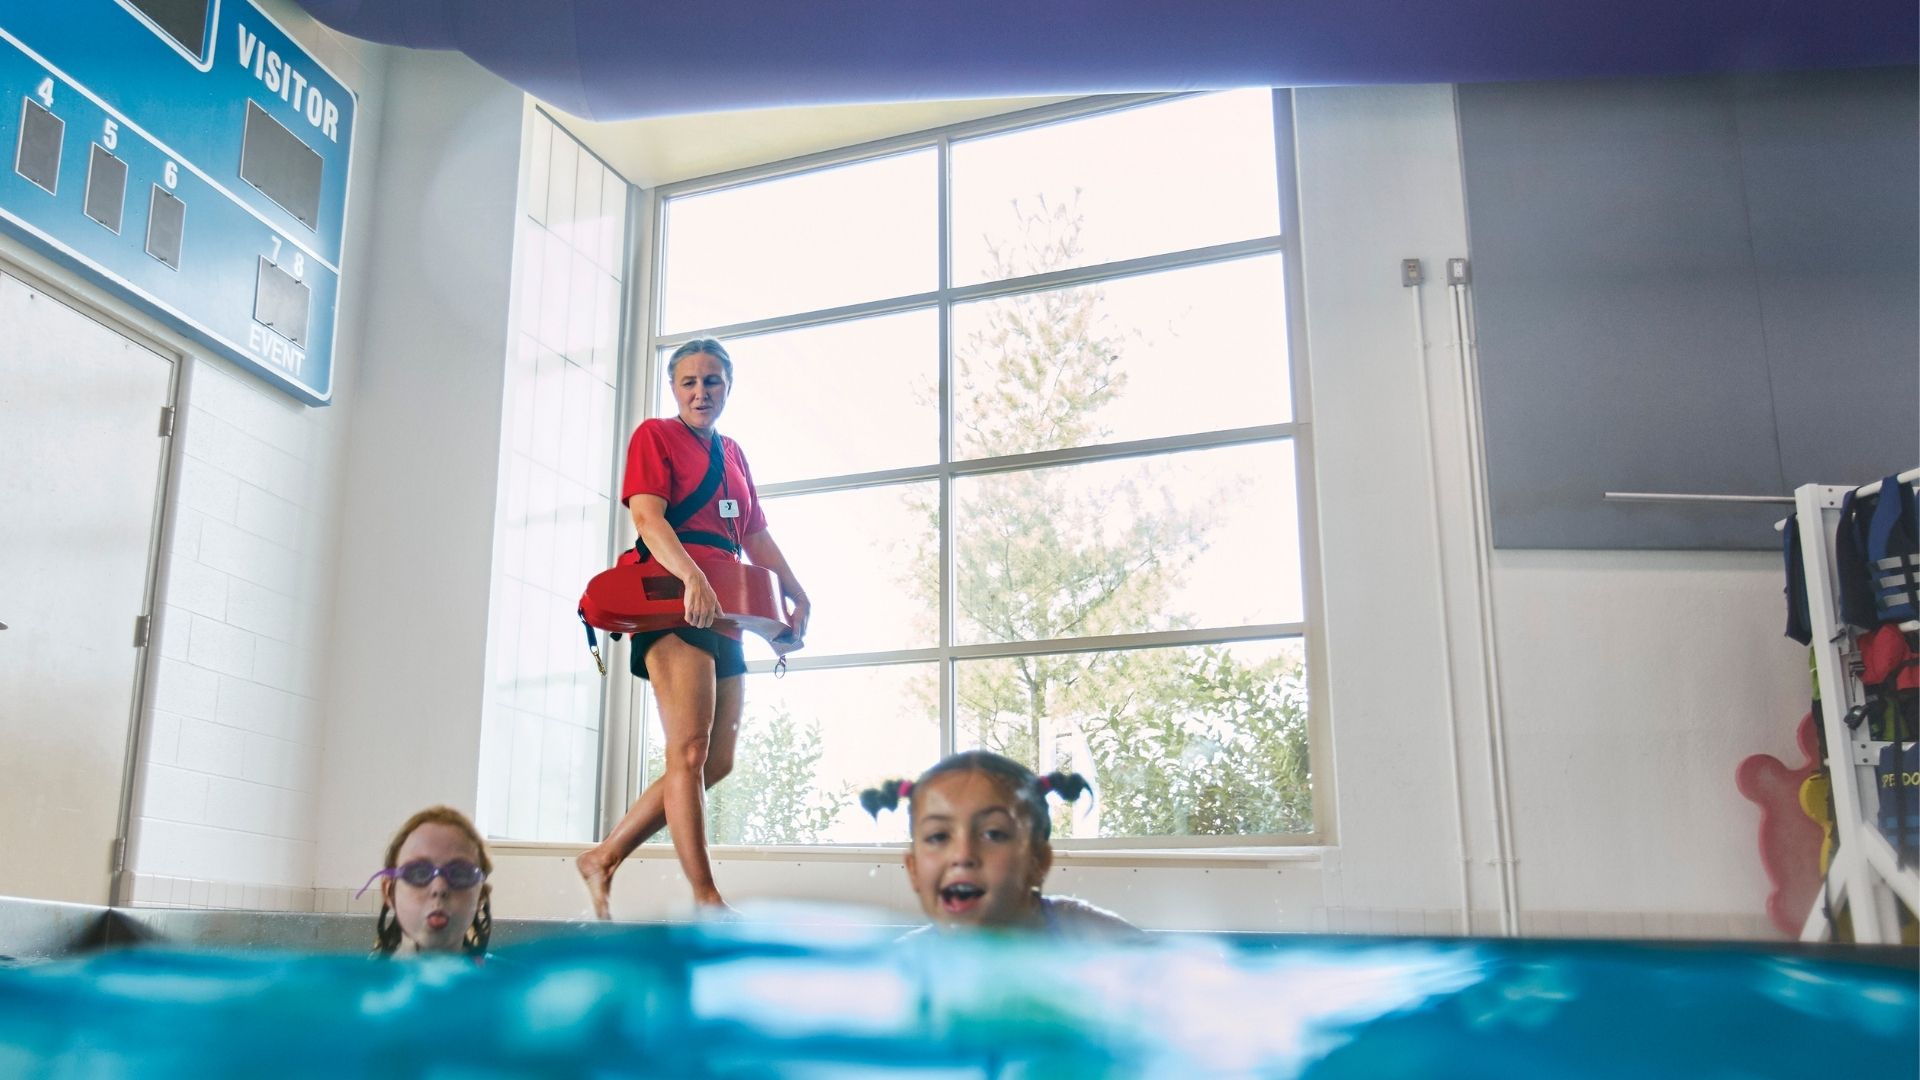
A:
1644	303
1833	177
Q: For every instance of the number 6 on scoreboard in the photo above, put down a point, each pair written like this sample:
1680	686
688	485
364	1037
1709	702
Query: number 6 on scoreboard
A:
172	175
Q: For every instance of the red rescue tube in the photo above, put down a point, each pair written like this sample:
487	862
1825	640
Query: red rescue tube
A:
637	597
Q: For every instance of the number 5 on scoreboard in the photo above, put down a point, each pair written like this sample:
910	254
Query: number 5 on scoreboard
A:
110	135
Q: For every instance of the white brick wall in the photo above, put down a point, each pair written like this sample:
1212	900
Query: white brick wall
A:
227	794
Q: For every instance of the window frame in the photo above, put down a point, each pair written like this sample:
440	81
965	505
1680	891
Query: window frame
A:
628	721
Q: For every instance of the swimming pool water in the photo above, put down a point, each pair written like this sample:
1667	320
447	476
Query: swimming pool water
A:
731	1000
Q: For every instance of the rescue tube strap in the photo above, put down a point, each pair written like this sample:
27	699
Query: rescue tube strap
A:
593	642
697	536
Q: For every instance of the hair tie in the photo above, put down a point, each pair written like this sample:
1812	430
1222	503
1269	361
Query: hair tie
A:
906	788
1046	784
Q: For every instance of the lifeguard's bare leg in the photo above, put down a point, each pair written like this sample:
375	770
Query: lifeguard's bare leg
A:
649	813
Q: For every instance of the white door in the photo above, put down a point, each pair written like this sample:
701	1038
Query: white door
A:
81	461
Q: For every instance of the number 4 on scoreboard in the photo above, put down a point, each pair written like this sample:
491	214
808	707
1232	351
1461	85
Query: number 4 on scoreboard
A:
45	92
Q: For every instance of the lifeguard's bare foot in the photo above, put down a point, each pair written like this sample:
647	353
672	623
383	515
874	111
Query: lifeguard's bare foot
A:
598	878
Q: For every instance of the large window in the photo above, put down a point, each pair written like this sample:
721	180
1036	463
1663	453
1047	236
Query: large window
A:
1020	401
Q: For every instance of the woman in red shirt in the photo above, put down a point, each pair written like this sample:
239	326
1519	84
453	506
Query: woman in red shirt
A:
695	669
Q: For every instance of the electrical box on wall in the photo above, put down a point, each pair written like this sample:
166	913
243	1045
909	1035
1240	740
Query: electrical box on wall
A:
191	156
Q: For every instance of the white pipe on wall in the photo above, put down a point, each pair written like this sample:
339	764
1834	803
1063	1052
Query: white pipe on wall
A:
1483	584
1440	586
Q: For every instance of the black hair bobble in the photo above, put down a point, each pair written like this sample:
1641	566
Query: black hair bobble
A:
885	797
1068	785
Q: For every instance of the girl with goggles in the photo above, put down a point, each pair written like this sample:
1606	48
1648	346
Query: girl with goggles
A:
433	892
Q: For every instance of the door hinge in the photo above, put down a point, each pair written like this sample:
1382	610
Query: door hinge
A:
142	627
118	856
166	421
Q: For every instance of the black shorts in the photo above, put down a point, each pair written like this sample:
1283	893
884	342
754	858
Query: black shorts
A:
729	659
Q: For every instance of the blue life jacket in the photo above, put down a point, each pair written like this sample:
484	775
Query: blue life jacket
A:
1893	547
1898	777
1877	549
1799	617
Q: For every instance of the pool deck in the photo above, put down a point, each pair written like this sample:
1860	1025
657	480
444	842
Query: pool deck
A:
33	931
38	930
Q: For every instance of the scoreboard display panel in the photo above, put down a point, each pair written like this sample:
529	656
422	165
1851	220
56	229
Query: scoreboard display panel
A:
191	156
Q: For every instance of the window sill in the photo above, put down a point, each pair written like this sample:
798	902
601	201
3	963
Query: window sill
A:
1248	858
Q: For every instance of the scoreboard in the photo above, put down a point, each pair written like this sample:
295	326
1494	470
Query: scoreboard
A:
191	156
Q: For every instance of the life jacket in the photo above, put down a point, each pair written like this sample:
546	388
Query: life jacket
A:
1877	555
1799	617
1890	676
1888	662
1898	777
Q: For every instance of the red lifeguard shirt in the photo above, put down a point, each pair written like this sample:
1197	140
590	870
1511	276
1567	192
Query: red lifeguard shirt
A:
666	459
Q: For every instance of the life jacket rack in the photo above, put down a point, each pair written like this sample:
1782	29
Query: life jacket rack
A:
1868	878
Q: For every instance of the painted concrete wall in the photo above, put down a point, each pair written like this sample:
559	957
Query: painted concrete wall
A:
416	527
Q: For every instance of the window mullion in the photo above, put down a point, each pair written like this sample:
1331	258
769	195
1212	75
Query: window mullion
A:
947	292
1039	459
1077	276
1001	650
819	317
943	212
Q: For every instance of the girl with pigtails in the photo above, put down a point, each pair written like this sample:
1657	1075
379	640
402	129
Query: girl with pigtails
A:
982	846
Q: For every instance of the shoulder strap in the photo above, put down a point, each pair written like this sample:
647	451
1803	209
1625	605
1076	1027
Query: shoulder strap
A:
678	513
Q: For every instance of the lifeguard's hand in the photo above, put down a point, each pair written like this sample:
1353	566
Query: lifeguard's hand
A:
799	610
701	604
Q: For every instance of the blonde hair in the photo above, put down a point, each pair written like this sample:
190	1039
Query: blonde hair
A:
710	346
386	930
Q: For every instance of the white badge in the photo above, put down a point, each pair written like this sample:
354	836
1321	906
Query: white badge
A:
729	508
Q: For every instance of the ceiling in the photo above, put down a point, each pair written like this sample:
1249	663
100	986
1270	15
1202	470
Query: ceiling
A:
660	150
609	60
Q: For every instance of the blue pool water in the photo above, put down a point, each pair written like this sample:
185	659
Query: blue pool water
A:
744	1000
